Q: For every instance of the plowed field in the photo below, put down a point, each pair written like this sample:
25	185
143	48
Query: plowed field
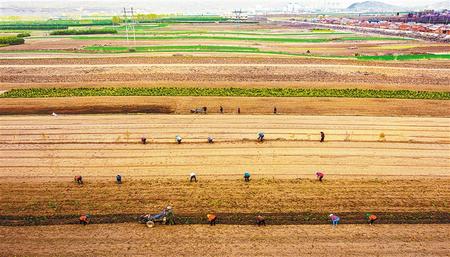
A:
397	167
198	240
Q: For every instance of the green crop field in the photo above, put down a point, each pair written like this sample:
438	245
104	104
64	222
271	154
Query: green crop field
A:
83	31
405	57
51	24
373	39
197	48
261	39
231	92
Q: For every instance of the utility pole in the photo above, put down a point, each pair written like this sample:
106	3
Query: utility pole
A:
133	22
129	23
126	22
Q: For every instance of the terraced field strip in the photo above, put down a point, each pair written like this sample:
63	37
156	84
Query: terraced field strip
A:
247	33
247	38
404	57
248	105
99	145
285	201
224	92
198	48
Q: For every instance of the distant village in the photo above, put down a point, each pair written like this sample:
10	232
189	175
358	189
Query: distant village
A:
432	25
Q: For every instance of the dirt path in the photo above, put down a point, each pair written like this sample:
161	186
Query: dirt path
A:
224	240
336	66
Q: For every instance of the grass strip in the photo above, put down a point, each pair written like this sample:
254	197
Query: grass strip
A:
196	48
265	39
262	39
405	57
229	92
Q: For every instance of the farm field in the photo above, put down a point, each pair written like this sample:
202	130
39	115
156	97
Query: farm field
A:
200	72
382	102
224	240
397	167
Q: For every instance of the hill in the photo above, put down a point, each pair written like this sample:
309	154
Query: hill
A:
372	6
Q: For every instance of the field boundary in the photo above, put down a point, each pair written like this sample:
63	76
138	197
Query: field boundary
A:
301	218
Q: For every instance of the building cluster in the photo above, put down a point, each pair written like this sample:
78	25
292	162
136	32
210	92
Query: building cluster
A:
389	25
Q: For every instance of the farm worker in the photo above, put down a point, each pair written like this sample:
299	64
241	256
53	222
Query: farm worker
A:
84	219
319	176
371	218
261	136
322	137
161	214
239	110
334	219
169	215
260	220
221	109
119	179
274	110
212	219
178	139
193	177
210	140
54	114
247	176
78	179
143	140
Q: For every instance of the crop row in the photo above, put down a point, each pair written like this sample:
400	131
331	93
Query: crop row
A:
194	48
229	92
405	57
236	38
52	24
83	31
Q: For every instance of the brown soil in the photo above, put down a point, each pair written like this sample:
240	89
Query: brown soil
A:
393	166
241	73
100	59
225	240
285	201
248	105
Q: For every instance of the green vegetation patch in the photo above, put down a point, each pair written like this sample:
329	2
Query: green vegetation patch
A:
11	40
229	92
266	39
23	34
194	48
372	39
405	57
83	31
190	19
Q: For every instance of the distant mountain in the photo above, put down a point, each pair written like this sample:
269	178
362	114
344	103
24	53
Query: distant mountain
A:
373	6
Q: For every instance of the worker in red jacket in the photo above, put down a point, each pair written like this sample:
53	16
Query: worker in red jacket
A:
212	219
78	179
84	219
371	218
319	176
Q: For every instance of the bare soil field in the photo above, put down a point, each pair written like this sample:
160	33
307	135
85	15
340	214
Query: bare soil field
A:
419	77
226	240
394	166
223	72
248	105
